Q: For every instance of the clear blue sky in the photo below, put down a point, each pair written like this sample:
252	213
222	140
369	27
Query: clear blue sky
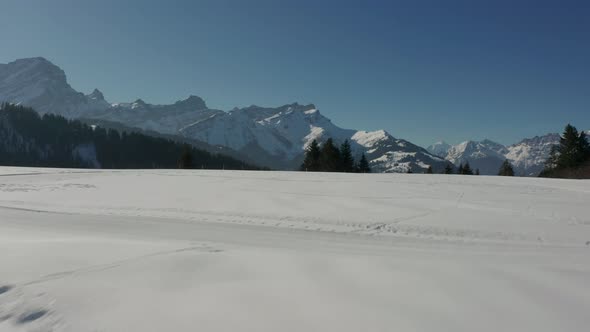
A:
423	70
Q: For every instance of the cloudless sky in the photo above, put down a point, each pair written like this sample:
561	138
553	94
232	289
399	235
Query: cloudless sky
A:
423	70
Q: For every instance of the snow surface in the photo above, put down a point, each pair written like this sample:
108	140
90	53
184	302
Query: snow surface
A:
277	251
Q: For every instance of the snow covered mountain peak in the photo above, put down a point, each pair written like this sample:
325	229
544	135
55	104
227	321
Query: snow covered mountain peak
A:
440	148
369	139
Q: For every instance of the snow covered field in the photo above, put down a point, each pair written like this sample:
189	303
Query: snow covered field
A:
86	250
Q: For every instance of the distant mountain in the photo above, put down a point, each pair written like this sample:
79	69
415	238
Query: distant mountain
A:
527	156
283	133
166	119
38	83
275	137
487	156
440	149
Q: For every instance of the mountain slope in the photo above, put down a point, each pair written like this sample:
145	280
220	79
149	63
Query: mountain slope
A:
389	154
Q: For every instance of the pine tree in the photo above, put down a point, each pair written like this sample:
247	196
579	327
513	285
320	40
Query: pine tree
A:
448	169
429	170
584	146
329	157
571	153
364	165
477	171
186	159
346	159
311	162
506	169
460	169
467	169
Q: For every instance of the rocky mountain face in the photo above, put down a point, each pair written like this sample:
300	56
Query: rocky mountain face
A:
38	83
275	137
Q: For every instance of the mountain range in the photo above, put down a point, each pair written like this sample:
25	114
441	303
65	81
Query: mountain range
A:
275	137
527	156
270	136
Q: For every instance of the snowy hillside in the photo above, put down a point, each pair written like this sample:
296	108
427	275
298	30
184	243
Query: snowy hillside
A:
275	137
229	251
391	155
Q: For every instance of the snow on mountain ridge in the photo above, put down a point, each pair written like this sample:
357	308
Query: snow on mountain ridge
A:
369	138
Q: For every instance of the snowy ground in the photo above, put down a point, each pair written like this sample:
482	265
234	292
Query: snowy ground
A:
277	251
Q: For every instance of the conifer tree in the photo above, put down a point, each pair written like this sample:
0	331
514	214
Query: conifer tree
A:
477	171
311	162
364	165
467	169
186	159
584	145
346	159
460	169
572	152
429	170
448	169
329	157
506	169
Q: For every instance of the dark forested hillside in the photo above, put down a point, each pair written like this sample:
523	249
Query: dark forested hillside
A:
28	139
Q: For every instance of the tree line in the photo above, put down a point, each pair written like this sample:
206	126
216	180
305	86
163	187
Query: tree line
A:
28	139
330	158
